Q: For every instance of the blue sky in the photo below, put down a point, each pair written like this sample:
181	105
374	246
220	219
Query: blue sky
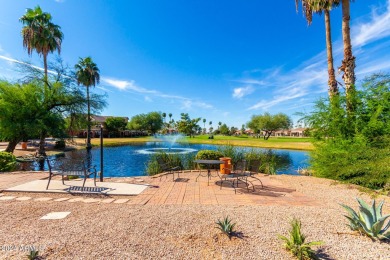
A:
220	60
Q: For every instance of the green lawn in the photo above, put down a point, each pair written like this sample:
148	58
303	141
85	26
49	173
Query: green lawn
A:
295	143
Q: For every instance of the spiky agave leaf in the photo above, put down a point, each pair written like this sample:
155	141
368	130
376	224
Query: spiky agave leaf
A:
377	227
366	214
353	217
226	226
378	210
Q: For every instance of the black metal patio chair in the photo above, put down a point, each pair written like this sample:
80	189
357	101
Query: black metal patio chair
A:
166	167
237	174
79	170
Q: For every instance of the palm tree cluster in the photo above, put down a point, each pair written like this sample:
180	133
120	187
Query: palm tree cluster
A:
348	64
40	34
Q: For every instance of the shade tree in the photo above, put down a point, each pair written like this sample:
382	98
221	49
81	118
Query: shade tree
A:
269	123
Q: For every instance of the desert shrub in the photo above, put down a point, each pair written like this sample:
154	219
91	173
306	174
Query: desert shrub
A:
354	146
7	162
352	161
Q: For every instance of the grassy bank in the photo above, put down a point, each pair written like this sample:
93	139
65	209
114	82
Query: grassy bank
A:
294	143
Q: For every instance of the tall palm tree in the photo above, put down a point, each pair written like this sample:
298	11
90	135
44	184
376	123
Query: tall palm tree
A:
87	74
204	124
164	115
319	6
348	63
40	34
45	37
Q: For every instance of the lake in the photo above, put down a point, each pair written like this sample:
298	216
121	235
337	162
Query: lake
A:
131	160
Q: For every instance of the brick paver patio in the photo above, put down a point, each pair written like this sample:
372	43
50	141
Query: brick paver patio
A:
185	190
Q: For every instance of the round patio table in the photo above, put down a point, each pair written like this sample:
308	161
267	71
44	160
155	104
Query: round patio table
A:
209	164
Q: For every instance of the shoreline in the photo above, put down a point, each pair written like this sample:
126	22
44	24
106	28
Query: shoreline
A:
255	143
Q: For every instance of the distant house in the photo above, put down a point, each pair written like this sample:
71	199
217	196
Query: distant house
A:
298	132
284	132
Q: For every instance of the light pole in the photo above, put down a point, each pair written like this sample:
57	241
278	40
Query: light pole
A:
101	152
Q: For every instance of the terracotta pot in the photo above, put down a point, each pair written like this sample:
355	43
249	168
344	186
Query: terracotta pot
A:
24	145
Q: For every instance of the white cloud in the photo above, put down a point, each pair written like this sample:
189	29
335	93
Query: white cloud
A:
125	85
243	91
377	28
310	77
292	94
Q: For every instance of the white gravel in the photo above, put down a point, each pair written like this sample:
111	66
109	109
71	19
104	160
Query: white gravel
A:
124	231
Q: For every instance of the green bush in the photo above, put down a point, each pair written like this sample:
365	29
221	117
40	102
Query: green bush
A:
7	162
353	161
208	155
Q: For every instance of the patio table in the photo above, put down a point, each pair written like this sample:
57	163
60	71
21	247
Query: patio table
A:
209	164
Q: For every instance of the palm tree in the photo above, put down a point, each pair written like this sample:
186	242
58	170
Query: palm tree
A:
219	124
45	37
40	34
316	6
204	124
164	115
87	74
348	63
170	119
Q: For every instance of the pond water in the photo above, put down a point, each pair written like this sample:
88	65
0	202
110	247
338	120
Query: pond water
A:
131	160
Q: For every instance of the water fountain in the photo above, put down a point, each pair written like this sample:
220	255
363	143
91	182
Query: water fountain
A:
168	141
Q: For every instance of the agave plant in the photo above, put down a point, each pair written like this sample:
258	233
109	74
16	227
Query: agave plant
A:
369	220
296	242
226	226
33	255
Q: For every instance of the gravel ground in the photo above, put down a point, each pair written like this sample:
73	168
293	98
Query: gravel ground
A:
123	231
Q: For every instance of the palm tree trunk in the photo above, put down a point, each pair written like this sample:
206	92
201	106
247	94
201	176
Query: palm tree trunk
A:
348	64
41	150
89	146
45	69
332	83
11	145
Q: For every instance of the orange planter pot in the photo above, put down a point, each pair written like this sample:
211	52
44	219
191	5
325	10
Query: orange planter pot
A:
24	145
227	166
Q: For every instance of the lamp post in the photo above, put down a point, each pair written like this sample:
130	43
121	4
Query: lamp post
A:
101	152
